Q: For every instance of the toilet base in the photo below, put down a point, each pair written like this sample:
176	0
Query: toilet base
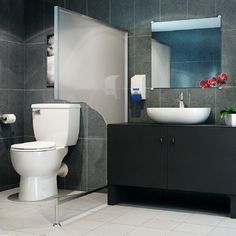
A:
37	188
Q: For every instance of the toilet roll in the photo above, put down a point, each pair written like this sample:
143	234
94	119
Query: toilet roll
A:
8	118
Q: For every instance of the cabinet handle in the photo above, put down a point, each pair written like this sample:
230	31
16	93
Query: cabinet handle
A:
173	140
161	140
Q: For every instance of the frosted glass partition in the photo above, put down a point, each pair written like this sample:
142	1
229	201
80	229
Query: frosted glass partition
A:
91	64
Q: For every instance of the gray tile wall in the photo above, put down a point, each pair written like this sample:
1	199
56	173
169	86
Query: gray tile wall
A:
11	84
87	160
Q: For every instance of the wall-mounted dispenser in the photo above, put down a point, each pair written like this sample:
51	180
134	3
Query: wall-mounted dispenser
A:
138	88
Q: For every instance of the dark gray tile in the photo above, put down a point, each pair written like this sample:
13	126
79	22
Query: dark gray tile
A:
28	125
16	106
131	57
49	14
35	68
153	99
97	163
131	111
83	133
4	154
169	97
34	20
75	5
16	66
76	160
122	14
31	97
173	10
96	124
143	47
204	98
143	58
139	113
5	130
145	12
225	97
49	96
4	64
201	8
28	139
228	55
99	9
226	8
4	19
16	20
3	101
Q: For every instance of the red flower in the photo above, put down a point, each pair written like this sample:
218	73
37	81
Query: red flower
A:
223	77
217	81
204	84
213	81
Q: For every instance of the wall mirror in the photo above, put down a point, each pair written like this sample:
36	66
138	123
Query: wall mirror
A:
185	52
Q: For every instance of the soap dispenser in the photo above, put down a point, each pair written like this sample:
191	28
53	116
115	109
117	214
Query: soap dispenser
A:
138	88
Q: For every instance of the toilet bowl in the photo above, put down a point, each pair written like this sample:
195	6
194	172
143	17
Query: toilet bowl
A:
38	162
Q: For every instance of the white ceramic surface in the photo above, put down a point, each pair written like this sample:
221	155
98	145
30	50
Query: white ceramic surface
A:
230	120
57	122
38	172
172	115
56	126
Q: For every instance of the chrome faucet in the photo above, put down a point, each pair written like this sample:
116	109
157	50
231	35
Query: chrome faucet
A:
181	100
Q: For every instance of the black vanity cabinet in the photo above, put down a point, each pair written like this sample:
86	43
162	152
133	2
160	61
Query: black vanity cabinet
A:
137	155
189	158
202	159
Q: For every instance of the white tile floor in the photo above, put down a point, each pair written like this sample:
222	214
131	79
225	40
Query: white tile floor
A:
90	216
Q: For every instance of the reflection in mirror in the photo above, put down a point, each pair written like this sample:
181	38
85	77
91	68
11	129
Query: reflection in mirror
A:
185	52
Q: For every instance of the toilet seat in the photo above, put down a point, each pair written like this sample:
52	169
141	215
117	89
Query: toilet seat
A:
37	146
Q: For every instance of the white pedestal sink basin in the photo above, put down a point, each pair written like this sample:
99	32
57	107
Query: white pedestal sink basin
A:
176	115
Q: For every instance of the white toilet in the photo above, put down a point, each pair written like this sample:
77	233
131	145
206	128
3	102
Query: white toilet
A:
56	126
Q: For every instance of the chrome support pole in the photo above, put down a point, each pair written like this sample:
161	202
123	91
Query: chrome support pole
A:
56	213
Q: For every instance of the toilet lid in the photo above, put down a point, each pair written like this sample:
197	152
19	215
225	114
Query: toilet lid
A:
34	146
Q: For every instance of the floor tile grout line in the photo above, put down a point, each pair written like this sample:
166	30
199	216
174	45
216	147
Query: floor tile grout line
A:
103	223
83	214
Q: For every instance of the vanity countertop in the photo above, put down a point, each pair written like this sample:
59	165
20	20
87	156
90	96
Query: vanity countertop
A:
159	124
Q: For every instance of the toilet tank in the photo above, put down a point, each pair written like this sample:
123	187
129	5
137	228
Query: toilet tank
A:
57	122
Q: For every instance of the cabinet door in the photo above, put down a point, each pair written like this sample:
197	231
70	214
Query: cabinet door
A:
202	159
137	155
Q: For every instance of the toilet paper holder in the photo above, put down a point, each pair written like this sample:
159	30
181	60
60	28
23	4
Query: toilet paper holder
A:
7	118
